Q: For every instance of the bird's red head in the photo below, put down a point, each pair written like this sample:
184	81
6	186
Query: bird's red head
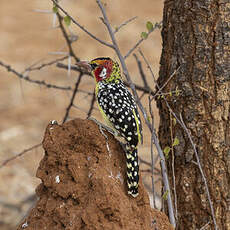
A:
101	68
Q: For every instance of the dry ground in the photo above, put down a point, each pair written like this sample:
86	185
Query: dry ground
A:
25	109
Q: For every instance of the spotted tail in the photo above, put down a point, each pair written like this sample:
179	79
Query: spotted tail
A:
132	171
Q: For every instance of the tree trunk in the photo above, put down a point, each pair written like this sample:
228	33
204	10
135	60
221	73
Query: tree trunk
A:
196	38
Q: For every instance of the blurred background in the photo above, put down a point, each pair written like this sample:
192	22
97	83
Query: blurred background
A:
29	36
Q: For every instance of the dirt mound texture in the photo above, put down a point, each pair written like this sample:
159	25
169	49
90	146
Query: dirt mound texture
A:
83	175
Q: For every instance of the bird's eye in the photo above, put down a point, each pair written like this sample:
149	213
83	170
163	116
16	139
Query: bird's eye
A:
93	65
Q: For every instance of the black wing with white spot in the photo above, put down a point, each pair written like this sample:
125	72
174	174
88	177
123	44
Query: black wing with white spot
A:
120	108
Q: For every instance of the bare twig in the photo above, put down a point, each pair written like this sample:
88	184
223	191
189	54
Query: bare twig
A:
157	25
151	71
201	171
162	87
43	11
74	68
80	109
7	205
152	157
26	78
124	24
205	226
19	154
72	97
142	161
157	172
68	40
33	68
81	27
173	166
141	71
91	105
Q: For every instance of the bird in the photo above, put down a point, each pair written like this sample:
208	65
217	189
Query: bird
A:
119	110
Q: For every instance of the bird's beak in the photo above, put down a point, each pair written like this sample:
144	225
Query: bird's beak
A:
85	65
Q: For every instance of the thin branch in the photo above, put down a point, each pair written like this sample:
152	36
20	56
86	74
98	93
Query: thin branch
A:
66	36
151	71
33	68
152	157
142	95
7	205
142	161
19	154
80	109
124	24
72	97
26	78
201	171
157	25
74	68
205	226
157	173
170	77
141	71
81	27
173	166
43	11
91	105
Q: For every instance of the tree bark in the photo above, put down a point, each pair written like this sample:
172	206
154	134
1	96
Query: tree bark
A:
196	38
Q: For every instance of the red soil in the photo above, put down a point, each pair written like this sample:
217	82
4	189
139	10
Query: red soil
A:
84	184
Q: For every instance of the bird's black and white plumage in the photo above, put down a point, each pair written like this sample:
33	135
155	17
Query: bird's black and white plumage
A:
119	109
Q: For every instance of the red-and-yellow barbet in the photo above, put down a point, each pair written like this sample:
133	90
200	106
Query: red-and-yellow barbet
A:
119	110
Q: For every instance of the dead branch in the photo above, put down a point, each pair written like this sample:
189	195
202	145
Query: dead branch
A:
19	154
33	67
72	97
38	82
201	171
82	27
124	24
91	105
143	77
65	35
157	25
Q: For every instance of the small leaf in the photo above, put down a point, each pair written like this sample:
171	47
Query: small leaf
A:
177	91
149	26
170	93
165	195
176	141
174	121
166	151
55	9
148	118
67	20
144	35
